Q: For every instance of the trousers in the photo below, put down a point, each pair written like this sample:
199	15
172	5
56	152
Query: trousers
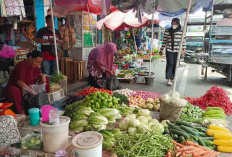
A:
171	64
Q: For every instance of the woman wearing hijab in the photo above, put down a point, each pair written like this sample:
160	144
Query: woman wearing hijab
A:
171	41
100	64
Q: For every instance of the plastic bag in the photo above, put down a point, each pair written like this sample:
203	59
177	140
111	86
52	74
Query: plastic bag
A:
35	88
32	141
54	116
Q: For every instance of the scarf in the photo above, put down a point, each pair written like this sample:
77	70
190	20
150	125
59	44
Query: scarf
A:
172	32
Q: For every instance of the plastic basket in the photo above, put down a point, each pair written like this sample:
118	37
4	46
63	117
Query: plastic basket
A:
55	96
169	111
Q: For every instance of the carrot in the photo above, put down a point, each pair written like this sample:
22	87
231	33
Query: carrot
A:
215	154
178	144
210	154
199	153
192	151
178	154
196	145
178	149
187	148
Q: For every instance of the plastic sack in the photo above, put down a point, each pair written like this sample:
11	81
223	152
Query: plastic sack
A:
7	52
32	141
35	88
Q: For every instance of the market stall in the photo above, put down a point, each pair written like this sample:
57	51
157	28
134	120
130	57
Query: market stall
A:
126	122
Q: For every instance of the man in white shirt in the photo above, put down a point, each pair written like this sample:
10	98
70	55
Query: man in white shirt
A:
225	21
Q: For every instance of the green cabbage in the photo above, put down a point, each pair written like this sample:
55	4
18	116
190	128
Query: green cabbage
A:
78	123
155	121
107	144
159	128
144	112
132	130
99	127
164	123
123	124
78	129
108	112
97	119
143	128
134	122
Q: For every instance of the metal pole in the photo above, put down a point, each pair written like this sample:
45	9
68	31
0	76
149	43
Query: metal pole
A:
135	41
181	45
152	36
54	37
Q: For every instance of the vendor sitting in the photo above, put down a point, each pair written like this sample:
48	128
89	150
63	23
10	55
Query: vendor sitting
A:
25	73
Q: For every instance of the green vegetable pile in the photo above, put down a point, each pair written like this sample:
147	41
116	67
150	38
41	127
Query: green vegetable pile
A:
147	144
56	78
84	118
101	100
31	141
181	131
214	113
110	136
192	113
123	98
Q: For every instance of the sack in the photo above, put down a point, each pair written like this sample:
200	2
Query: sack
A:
9	133
35	101
53	52
113	83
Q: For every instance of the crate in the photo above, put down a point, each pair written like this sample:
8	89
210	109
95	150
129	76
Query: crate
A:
63	64
55	96
79	70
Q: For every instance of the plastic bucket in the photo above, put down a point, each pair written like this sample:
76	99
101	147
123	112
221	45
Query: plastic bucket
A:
169	111
55	137
149	80
34	116
45	112
88	144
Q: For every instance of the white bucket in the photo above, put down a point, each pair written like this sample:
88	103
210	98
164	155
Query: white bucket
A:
88	144
55	137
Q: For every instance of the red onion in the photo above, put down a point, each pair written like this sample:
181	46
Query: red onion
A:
145	95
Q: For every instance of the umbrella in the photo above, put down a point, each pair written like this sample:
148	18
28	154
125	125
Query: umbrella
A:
64	7
119	21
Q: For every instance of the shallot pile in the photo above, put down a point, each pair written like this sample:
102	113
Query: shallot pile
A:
145	95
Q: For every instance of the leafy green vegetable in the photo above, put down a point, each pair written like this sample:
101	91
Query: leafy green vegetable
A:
97	119
56	78
123	98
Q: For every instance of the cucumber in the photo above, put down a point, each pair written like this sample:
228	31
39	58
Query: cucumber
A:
201	129
201	134
188	130
207	138
175	136
180	133
173	126
184	123
181	139
208	143
201	142
166	130
195	138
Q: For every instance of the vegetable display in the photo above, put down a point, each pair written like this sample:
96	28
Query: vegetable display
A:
189	148
145	95
222	138
215	97
182	131
99	100
138	101
192	114
122	98
90	90
149	143
126	92
173	99
56	78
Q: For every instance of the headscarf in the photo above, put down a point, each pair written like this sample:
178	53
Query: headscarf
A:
102	57
173	31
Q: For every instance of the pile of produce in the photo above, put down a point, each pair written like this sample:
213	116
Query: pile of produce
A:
90	90
123	98
189	148
192	113
56	78
222	138
175	99
110	136
138	101
54	87
126	73
149	143
127	92
182	131
145	95
215	97
99	100
215	116
84	118
141	122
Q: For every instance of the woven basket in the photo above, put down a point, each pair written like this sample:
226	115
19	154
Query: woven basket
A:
169	111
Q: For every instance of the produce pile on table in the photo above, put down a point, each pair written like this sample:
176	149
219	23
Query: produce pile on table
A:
215	97
124	118
55	81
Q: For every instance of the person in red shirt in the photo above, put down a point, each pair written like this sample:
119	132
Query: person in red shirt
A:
25	73
45	37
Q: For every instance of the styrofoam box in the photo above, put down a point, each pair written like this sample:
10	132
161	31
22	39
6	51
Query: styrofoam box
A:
140	79
55	96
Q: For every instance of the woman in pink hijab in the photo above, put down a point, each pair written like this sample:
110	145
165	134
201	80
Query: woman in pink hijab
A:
100	64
